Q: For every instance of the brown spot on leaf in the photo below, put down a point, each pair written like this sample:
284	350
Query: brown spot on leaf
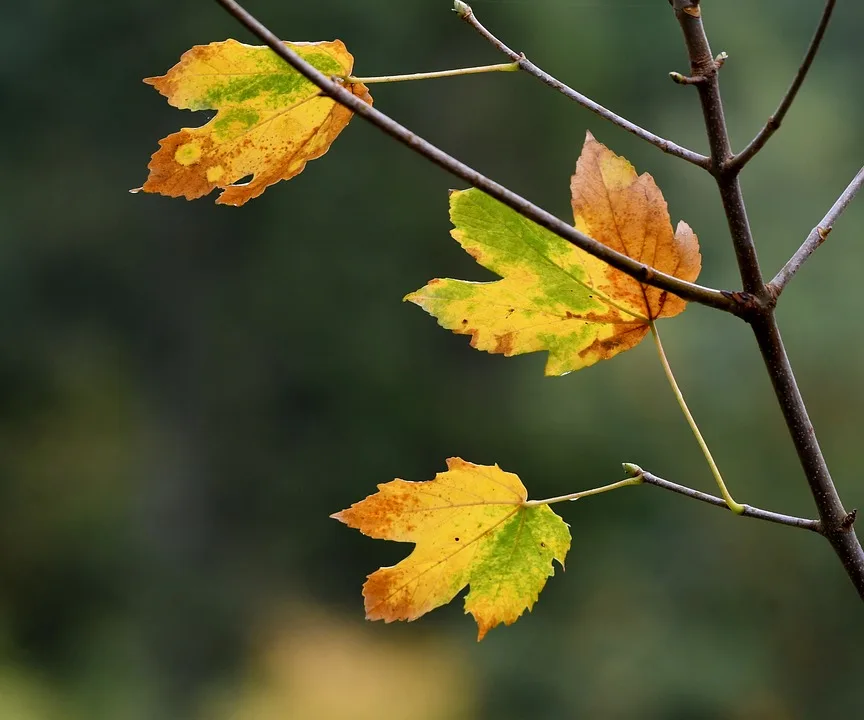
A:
385	513
384	600
625	338
504	344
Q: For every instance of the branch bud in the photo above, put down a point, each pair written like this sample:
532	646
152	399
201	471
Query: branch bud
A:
462	9
686	79
632	470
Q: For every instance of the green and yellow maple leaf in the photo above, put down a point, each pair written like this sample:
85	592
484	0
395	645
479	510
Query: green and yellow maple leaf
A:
471	526
552	295
270	122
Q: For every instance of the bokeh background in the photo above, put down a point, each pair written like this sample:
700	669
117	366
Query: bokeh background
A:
188	391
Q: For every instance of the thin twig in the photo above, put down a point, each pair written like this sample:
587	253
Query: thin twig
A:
633	268
667	146
817	236
748	511
640	476
758	142
411	77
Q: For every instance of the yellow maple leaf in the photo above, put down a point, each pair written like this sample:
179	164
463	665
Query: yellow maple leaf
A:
552	295
471	526
270	122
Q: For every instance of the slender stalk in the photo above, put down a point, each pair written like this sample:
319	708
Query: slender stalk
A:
836	523
467	14
773	124
335	90
817	236
503	67
735	507
585	493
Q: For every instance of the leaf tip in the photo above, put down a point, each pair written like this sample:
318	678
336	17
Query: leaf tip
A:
457	463
554	368
483	625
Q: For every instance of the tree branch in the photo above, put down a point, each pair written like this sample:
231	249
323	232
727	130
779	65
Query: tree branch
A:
817	236
467	14
639	476
749	510
773	124
835	521
703	67
836	526
644	273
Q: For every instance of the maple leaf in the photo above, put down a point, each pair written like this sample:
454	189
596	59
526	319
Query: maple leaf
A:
554	296
471	527
270	122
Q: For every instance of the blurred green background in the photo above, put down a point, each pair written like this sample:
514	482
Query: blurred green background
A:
188	391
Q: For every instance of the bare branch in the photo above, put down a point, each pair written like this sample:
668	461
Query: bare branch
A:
704	66
667	146
749	510
747	154
644	273
833	517
817	236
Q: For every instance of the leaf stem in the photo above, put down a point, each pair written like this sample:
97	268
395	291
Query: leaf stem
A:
735	507
585	493
501	67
